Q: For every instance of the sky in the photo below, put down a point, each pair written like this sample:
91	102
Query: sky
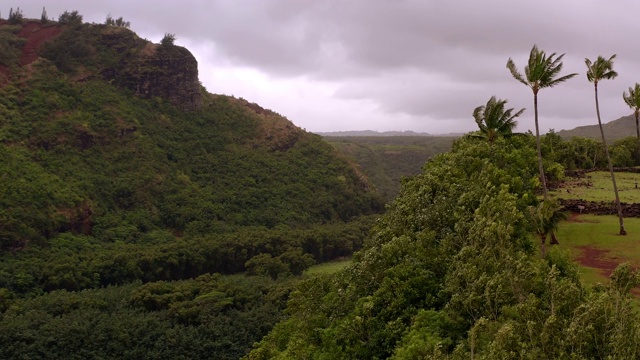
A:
389	65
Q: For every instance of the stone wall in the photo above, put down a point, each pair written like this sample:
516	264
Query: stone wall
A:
600	208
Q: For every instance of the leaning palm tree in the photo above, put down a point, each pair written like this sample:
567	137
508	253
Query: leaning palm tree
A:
494	121
545	219
540	72
602	69
633	100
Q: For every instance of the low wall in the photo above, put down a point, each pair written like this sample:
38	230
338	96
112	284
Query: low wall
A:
600	208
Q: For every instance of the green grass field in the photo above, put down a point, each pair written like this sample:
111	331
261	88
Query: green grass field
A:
601	188
327	268
600	233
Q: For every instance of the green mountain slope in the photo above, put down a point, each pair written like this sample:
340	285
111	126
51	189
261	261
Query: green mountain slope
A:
124	185
387	159
106	136
614	130
104	161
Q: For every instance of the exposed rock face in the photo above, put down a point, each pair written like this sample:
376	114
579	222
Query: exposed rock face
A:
118	54
170	72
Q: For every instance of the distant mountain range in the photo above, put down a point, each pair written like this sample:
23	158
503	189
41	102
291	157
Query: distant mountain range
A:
614	130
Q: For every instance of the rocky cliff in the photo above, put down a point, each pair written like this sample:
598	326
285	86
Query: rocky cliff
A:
167	71
114	53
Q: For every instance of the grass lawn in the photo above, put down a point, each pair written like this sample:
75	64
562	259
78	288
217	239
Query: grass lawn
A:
328	267
601	188
599	234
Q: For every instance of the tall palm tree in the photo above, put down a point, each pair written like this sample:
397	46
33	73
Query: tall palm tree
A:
545	219
494	121
541	72
633	100
602	69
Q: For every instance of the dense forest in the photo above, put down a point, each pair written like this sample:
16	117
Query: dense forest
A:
451	272
130	196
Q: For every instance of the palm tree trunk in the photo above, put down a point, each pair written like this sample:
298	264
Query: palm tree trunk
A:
538	147
636	113
606	151
637	126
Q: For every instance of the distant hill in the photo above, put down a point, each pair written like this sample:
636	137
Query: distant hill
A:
614	130
385	159
373	133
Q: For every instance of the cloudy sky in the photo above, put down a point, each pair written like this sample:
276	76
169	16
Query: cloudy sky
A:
419	65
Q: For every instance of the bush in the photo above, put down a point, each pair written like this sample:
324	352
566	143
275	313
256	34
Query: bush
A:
70	18
168	40
15	17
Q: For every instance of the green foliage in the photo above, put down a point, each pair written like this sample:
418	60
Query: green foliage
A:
10	46
211	315
44	18
494	120
410	262
450	272
625	152
119	22
15	17
72	18
168	40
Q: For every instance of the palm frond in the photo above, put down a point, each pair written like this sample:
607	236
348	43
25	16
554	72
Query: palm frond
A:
633	98
494	121
600	69
515	73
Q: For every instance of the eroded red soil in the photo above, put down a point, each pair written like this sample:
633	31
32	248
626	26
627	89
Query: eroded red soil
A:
36	35
597	258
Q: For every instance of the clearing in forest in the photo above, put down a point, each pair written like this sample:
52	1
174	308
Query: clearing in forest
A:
594	243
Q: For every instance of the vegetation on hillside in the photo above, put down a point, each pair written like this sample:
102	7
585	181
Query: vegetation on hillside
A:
386	160
116	210
451	272
133	227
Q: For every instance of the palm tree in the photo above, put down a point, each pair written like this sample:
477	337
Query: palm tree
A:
602	69
494	121
541	72
633	100
545	219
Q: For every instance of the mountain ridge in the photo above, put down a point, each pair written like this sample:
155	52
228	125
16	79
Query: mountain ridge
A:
613	130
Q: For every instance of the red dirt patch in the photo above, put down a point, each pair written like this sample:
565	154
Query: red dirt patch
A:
596	258
36	35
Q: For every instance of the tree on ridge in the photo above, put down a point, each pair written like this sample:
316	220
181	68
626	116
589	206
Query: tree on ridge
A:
633	100
540	72
494	121
602	69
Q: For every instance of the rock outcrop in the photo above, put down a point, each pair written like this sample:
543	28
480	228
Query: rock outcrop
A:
170	72
115	54
152	70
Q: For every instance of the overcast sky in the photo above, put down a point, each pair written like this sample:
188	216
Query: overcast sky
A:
337	65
